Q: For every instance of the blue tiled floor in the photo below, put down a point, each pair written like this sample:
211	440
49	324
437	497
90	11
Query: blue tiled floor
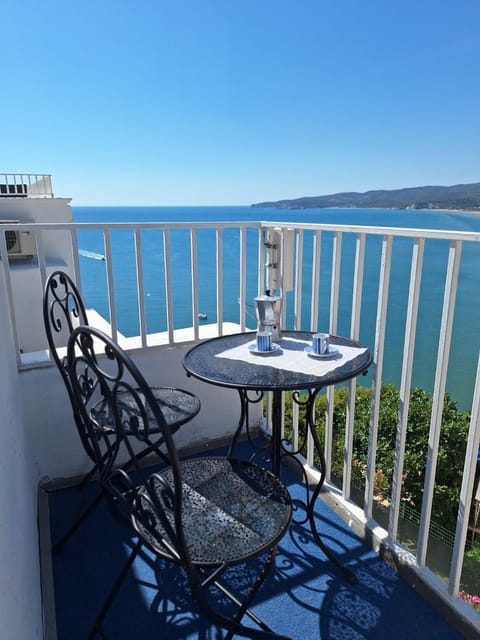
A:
305	598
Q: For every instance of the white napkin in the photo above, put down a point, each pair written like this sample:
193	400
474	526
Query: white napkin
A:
293	357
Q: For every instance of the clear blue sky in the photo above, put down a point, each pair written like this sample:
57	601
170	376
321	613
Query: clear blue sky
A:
212	102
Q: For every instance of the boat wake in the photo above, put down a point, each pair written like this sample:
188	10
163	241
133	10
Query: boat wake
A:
91	254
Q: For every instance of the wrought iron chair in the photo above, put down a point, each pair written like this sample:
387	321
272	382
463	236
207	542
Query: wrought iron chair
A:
63	310
203	513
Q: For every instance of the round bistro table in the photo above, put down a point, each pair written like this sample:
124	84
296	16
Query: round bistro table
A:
228	361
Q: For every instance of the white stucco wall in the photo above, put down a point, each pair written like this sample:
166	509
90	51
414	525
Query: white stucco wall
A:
25	275
20	595
36	209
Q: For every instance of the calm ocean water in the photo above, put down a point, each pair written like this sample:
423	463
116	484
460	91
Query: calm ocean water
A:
466	339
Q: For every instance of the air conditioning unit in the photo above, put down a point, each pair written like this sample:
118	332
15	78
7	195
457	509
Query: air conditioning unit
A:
20	244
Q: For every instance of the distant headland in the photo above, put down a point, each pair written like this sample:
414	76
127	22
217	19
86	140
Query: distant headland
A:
465	197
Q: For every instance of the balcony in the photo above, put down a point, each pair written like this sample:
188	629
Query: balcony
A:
306	597
25	185
396	290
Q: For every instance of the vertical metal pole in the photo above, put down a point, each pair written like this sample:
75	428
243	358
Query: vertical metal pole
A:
466	492
377	374
243	277
316	255
298	282
219	281
140	287
110	283
336	261
168	285
352	385
453	269
405	384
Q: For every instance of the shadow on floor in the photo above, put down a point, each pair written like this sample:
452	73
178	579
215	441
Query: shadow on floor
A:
305	597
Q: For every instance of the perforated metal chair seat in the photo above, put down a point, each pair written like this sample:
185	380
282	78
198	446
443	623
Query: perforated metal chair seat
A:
232	510
178	407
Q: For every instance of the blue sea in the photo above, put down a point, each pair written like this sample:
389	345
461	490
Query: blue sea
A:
466	338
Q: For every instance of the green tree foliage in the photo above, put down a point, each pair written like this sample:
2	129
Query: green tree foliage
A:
451	455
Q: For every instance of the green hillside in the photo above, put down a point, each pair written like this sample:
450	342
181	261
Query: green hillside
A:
460	196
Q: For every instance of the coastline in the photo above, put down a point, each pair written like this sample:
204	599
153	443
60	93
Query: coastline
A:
429	210
464	197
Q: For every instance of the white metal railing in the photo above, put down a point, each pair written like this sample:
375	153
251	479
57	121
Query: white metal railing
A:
339	272
448	282
43	263
32	185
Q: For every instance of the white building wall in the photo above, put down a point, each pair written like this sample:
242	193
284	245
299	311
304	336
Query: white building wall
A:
36	209
20	594
25	274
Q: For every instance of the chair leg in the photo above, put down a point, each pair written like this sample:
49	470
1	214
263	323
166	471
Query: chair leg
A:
234	626
96	628
80	515
244	608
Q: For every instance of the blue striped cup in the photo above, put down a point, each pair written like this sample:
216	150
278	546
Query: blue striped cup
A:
264	341
320	343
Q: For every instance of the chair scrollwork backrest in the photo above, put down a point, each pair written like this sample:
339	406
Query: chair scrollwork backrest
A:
63	310
102	374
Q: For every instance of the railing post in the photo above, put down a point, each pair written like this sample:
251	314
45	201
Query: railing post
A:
378	367
405	384
352	385
453	268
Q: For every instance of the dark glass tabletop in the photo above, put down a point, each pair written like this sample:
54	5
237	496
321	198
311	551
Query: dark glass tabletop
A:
203	362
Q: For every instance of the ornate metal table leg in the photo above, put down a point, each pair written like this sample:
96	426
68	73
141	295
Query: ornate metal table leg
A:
283	451
310	419
244	425
276	432
277	452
